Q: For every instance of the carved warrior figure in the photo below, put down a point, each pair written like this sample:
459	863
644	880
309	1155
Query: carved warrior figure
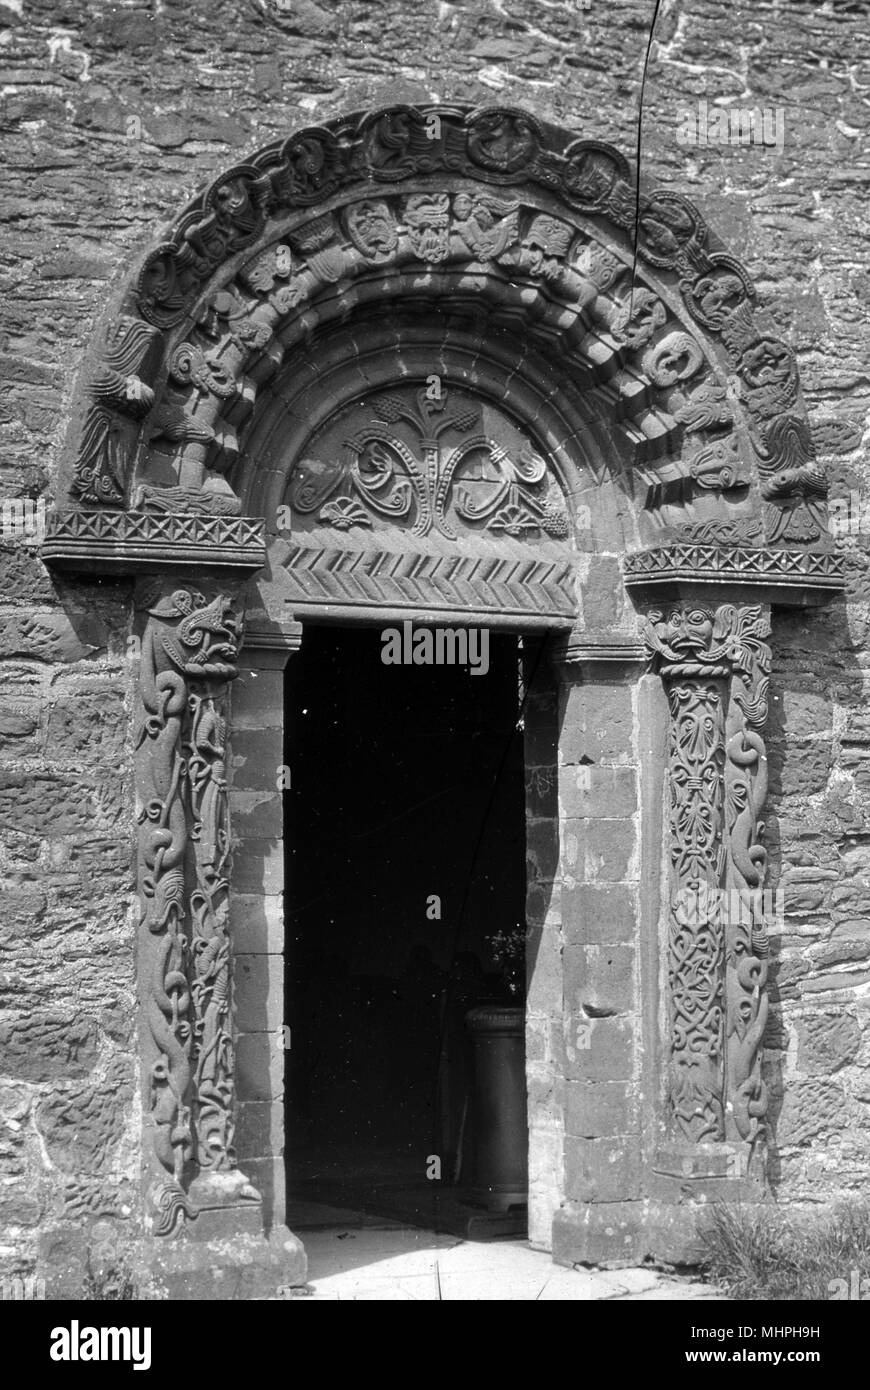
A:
189	655
116	388
716	668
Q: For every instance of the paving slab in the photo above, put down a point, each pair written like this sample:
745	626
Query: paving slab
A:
355	1262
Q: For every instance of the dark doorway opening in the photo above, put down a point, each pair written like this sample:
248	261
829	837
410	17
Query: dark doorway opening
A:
405	834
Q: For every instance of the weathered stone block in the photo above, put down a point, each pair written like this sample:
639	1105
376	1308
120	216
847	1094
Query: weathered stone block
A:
594	913
83	1126
260	1066
258	867
599	1049
257	760
598	724
602	593
599	850
543	904
260	1129
599	980
544	972
19	1205
23	577
52	636
21	915
257	922
48	1046
542	799
809	1108
256	815
826	1042
259	992
603	1170
93	725
587	790
599	1109
50	805
257	699
607	1233
804	769
542	850
806	712
15	725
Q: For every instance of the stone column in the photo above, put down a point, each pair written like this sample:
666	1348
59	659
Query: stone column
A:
599	1057
188	658
544	945
259	778
189	962
715	665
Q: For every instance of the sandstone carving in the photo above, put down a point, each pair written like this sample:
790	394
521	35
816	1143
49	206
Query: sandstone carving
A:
716	665
116	388
437	472
189	653
208	396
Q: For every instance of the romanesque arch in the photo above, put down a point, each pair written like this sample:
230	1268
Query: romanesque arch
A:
438	361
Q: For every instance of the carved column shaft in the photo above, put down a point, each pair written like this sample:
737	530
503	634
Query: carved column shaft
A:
189	651
715	665
695	943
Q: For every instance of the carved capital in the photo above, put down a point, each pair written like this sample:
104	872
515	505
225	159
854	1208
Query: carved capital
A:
583	656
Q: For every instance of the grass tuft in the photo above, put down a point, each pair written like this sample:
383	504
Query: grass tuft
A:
766	1253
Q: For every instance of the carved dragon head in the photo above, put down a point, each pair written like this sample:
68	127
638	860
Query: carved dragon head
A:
199	637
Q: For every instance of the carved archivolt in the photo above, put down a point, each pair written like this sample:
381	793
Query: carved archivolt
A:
514	211
189	652
716	668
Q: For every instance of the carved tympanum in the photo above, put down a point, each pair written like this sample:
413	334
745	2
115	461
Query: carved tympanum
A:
432	459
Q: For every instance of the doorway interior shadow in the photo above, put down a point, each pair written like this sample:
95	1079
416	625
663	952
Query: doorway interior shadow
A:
405	834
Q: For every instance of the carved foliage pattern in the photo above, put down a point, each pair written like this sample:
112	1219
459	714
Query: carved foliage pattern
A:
716	670
445	471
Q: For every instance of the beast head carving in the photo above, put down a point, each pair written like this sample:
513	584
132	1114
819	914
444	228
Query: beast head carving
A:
196	636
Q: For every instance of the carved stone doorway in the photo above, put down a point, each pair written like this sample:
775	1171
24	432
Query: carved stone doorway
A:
405	855
440	364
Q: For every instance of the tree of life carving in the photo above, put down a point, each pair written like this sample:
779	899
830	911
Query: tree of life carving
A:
425	461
